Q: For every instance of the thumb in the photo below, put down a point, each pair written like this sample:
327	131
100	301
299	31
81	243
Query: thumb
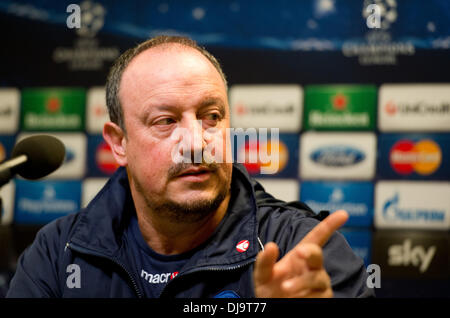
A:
264	263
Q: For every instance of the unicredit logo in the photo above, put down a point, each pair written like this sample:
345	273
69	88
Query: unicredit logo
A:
6	111
423	157
263	109
337	156
420	107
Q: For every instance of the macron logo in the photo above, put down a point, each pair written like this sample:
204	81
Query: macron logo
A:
158	278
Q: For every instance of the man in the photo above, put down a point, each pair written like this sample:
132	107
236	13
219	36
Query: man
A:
163	227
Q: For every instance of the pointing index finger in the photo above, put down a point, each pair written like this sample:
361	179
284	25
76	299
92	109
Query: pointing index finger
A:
322	232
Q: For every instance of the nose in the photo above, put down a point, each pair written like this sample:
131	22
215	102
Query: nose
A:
191	141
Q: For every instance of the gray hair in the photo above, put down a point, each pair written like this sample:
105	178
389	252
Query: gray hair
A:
115	74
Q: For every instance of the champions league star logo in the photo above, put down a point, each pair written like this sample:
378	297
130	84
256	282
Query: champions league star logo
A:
86	54
92	18
380	13
87	18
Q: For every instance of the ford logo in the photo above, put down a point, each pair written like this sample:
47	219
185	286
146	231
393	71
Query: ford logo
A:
337	156
70	155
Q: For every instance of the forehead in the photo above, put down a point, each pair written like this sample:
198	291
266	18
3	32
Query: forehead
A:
167	67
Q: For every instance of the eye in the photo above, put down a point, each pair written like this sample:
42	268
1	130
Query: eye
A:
213	116
164	121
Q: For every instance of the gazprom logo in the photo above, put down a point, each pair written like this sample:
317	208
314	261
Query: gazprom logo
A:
337	156
393	212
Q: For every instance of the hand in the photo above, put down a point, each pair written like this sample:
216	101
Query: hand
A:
300	273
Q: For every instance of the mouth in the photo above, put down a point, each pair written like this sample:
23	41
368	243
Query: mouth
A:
195	174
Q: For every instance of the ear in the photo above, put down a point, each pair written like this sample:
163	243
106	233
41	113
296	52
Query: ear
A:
116	139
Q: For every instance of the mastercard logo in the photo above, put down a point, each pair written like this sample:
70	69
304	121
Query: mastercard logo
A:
252	151
2	153
423	157
105	159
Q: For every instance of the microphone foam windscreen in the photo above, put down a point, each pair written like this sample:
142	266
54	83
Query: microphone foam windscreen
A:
44	154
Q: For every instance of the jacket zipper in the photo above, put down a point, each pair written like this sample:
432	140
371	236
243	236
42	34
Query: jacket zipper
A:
212	269
114	260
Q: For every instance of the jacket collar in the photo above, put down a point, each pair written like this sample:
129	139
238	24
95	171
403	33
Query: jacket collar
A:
102	224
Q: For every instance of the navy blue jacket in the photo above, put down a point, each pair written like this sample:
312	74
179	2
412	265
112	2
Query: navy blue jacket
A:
93	240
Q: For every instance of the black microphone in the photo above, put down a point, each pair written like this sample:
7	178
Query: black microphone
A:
33	158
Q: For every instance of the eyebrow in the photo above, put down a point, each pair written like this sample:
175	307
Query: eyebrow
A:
212	101
203	104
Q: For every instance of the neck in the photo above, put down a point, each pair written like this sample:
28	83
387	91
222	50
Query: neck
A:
170	237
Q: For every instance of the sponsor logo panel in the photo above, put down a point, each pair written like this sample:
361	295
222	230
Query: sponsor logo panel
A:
74	164
419	205
412	254
97	112
40	202
256	153
100	161
50	109
354	197
337	156
360	241
414	107
340	107
414	156
9	110
6	146
267	106
283	189
7	202
90	188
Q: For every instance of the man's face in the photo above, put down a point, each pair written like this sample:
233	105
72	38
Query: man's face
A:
167	90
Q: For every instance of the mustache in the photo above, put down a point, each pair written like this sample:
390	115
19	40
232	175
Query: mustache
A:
178	168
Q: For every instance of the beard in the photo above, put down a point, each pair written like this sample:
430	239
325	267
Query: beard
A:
191	210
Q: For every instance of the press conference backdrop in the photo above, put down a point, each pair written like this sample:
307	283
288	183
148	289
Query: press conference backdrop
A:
363	113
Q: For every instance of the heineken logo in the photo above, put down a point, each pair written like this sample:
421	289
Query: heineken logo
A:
317	118
53	109
53	105
37	121
339	102
340	106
